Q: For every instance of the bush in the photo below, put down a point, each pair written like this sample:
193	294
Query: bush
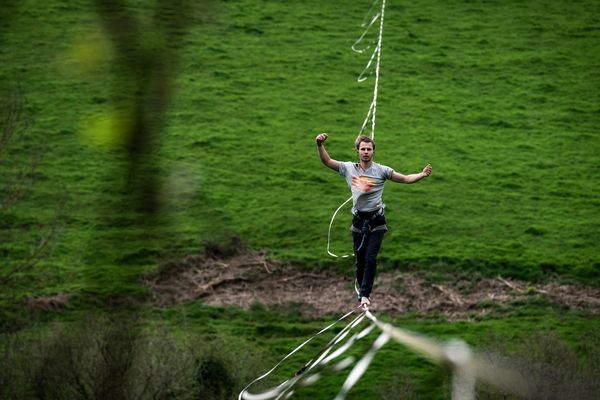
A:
553	369
226	245
120	358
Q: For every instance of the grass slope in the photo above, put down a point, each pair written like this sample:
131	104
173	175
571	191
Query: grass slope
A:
501	97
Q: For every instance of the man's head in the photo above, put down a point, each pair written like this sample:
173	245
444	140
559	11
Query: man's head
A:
366	139
365	146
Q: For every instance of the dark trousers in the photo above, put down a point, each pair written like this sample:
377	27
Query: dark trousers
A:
366	259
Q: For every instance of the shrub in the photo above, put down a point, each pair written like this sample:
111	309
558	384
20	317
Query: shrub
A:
121	358
553	369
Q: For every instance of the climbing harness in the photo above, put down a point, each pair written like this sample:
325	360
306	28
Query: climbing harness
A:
366	228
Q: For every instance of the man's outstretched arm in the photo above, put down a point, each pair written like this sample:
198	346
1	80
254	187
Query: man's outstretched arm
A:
323	155
412	178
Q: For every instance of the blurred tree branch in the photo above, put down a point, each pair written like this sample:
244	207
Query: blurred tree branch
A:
146	63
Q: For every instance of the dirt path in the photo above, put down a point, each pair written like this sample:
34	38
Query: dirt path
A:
245	279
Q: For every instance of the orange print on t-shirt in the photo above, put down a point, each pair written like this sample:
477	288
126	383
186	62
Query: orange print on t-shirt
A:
362	183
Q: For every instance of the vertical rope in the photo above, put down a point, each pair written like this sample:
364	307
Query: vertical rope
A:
372	108
375	91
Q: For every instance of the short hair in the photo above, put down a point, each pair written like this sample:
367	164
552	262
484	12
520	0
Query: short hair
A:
363	138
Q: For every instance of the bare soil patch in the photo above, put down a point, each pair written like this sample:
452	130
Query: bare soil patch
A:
249	278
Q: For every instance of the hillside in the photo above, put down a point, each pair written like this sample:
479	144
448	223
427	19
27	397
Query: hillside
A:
137	137
502	99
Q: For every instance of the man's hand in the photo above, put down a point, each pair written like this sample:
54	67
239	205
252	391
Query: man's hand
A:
321	137
427	170
323	155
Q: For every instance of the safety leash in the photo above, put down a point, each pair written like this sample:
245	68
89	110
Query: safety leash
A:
329	231
365	231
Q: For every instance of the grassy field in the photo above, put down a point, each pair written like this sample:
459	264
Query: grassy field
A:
502	98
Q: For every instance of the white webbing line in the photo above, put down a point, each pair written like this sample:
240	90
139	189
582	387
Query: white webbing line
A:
244	394
467	365
427	347
361	367
303	377
372	109
340	336
308	379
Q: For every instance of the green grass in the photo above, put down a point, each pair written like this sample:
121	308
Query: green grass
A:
501	97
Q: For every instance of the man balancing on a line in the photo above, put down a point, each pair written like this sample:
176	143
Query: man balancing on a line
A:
366	179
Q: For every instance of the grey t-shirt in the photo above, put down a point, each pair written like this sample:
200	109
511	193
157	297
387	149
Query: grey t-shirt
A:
366	185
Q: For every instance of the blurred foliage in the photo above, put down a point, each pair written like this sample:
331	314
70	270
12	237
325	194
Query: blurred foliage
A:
118	357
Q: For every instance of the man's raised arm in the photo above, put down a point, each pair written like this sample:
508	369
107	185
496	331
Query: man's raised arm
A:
412	178
323	155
